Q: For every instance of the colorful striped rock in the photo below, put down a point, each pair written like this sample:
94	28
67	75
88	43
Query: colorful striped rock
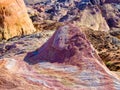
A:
69	46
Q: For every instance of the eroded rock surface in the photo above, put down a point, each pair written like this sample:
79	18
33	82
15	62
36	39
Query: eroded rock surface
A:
76	67
69	45
65	61
14	20
79	12
112	15
92	18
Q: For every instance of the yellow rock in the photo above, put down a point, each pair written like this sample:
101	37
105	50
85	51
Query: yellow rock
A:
14	20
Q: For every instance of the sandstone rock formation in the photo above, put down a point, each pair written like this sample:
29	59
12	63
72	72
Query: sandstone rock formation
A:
112	15
80	69
108	44
92	18
98	19
79	12
14	20
65	60
13	77
69	45
63	45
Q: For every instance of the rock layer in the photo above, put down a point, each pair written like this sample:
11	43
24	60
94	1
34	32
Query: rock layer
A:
79	66
69	45
14	20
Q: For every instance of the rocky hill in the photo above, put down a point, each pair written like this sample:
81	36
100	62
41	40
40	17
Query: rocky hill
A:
99	19
66	61
73	44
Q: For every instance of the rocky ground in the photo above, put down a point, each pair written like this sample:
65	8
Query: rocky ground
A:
69	48
74	73
108	47
102	23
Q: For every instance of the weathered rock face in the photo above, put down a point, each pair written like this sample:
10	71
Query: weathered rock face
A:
11	77
69	46
66	43
80	67
92	18
112	15
14	20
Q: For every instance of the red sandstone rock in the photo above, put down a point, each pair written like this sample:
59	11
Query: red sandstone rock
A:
69	45
65	45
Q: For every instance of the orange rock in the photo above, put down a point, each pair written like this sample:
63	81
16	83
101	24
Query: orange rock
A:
14	20
2	62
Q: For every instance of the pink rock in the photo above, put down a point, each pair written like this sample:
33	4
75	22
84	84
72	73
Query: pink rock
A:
69	45
77	67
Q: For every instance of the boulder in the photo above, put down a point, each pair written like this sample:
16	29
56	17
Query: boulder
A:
66	43
75	64
14	20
